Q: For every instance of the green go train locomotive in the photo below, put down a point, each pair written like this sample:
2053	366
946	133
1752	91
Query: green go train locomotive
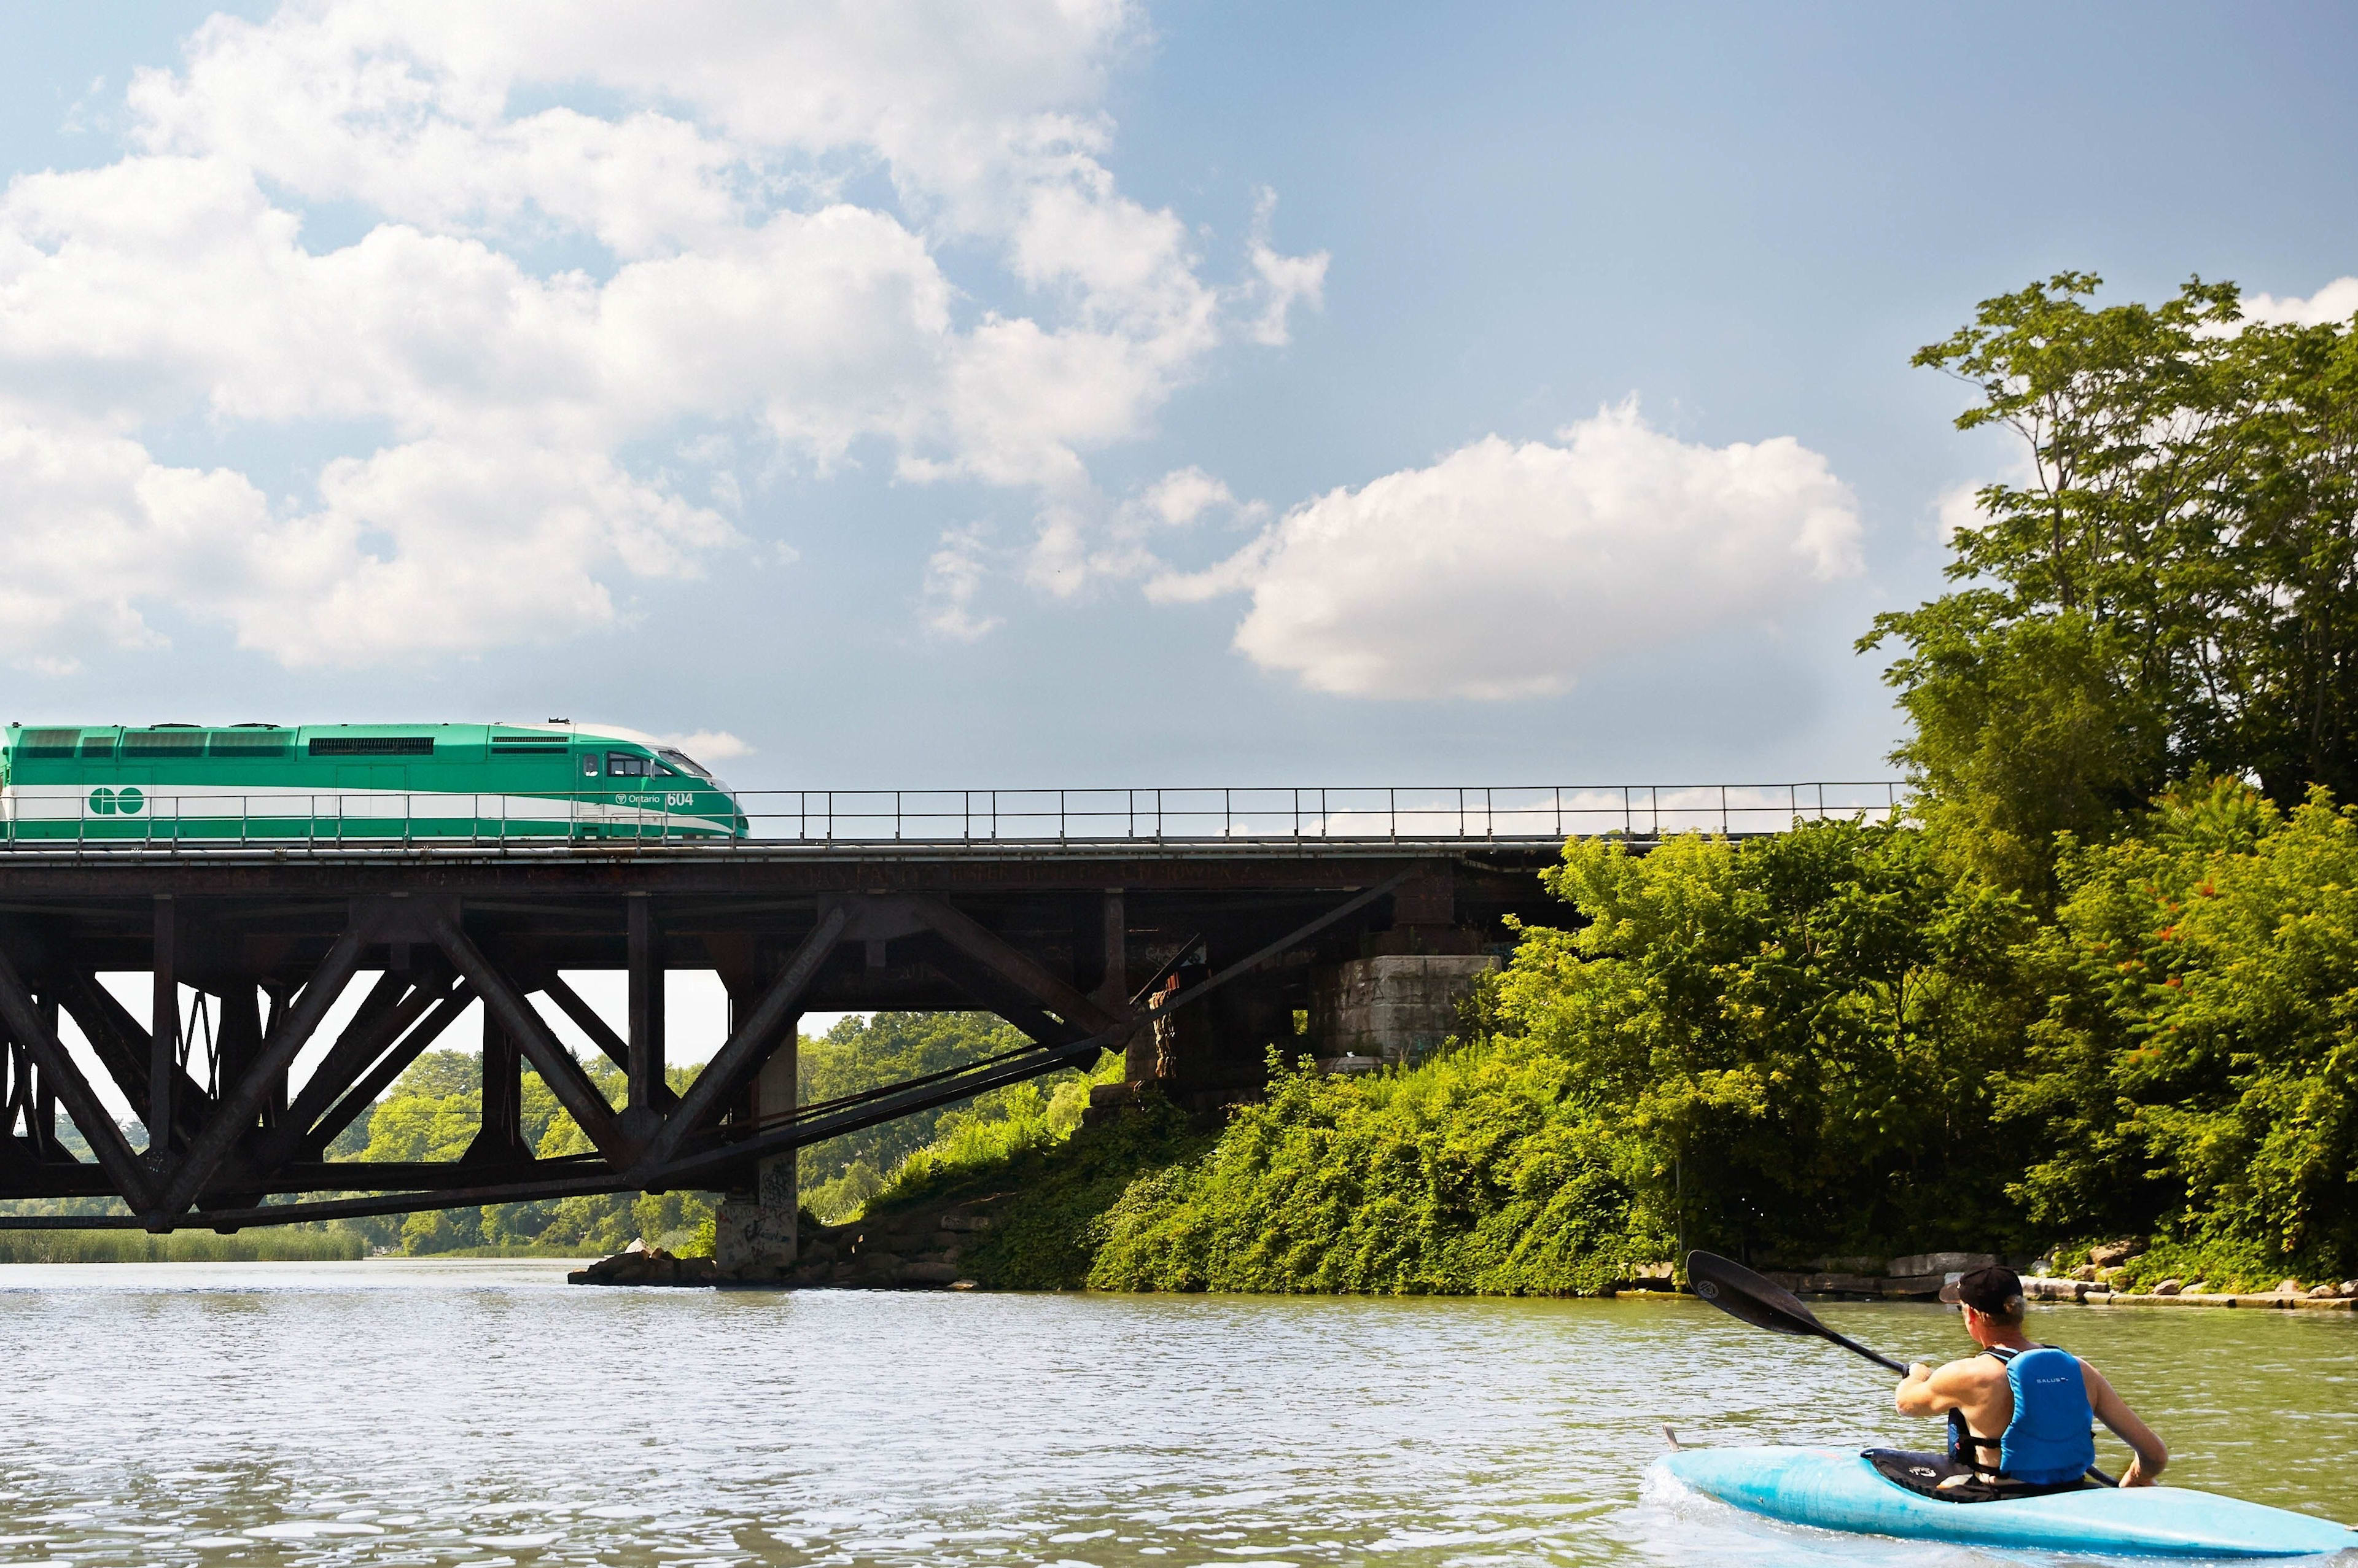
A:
359	785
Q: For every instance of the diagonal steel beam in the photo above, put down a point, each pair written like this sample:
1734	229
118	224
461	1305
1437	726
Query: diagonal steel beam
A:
382	997
41	1102
355	1050
123	1167
395	1062
1026	973
120	1042
555	1065
19	1067
754	1034
585	1017
994	992
289	1032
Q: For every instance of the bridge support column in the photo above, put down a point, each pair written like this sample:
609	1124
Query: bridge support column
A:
755	1234
1393	1010
1398	1000
499	1138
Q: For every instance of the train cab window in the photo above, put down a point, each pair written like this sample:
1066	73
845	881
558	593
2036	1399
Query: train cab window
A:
622	765
588	764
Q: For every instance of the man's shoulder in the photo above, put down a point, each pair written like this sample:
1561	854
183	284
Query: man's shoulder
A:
1973	1370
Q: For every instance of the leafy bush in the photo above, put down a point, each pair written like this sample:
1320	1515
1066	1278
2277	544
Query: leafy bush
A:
2193	1076
1473	1174
1788	1042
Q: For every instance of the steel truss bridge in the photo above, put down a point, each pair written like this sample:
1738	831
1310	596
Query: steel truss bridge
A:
1087	929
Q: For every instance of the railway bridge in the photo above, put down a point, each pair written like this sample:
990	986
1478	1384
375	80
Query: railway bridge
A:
1189	929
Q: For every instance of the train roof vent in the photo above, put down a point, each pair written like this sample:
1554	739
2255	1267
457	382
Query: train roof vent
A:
46	745
373	746
245	742
173	742
98	747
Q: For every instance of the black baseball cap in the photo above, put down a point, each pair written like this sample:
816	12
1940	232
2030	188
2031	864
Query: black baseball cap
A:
1994	1292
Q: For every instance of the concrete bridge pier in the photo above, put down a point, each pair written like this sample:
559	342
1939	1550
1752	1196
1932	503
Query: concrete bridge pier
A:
1398	1000
755	1232
1391	1009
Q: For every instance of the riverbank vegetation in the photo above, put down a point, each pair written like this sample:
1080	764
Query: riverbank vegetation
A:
270	1246
2101	981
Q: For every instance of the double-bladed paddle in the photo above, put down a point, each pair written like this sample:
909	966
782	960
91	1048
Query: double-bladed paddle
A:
1743	1295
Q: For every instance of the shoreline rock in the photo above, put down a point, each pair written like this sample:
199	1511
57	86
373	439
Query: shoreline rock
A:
2082	1293
641	1265
916	1250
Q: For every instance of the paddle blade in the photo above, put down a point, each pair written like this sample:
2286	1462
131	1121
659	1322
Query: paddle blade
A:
1741	1293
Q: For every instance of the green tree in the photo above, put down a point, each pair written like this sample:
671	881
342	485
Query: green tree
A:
2174	587
2196	1070
433	1112
1793	1037
1787	1047
840	1176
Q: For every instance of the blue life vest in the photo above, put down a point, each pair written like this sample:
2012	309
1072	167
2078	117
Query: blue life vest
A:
2048	1441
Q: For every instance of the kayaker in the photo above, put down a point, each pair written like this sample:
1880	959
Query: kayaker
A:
2018	1412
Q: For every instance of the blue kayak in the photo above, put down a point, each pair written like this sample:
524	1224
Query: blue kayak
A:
1836	1490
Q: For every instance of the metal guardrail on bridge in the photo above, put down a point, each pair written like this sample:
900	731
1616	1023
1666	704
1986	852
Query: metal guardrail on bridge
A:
1522	814
824	819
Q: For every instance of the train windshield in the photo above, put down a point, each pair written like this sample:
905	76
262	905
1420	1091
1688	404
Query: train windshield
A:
686	764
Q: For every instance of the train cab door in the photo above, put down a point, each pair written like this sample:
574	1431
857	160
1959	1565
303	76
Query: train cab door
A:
588	786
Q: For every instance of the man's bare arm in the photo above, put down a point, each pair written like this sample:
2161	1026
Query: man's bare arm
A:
2115	1413
1933	1391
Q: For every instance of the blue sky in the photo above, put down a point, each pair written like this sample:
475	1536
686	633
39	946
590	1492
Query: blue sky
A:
1167	395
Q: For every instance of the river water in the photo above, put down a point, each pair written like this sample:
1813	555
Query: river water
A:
487	1413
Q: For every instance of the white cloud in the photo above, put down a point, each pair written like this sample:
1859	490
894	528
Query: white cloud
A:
1960	507
1087	539
710	746
953	575
482	403
1506	570
1283	281
2336	303
432	547
93	524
